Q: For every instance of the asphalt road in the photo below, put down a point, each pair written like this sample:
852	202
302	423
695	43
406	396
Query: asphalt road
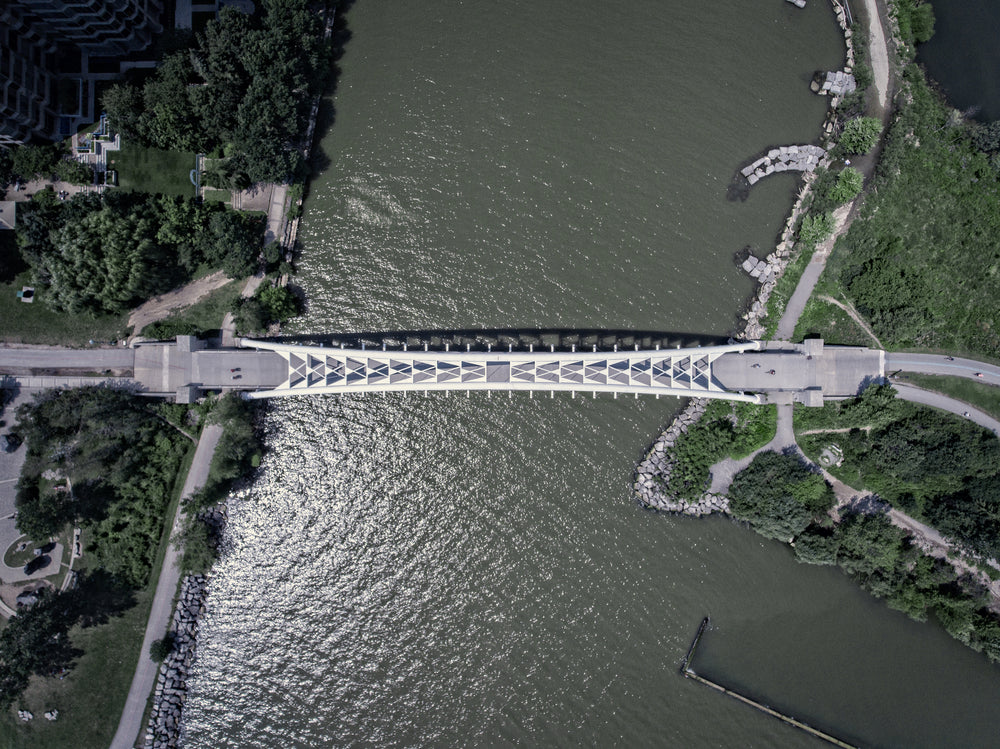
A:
930	398
96	359
942	365
159	616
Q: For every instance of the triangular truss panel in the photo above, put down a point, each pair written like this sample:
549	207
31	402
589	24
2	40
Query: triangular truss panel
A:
671	372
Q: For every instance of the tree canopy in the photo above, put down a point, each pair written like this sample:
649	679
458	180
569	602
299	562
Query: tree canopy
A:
121	460
779	495
245	87
105	253
860	134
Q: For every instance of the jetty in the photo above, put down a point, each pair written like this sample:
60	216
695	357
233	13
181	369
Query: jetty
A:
689	673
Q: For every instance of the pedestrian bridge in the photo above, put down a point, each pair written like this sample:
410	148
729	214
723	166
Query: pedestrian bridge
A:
675	372
753	371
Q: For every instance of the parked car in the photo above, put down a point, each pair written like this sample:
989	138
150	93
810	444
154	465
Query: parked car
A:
38	563
9	442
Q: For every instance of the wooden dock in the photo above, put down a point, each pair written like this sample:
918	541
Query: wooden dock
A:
690	674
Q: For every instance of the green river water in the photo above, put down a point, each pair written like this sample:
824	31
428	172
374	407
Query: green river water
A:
443	571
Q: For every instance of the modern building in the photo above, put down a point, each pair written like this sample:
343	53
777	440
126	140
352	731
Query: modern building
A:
47	48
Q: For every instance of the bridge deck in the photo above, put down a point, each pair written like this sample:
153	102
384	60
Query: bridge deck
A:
684	372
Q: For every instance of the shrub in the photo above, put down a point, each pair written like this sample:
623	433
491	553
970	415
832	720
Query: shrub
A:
160	649
815	228
860	134
849	184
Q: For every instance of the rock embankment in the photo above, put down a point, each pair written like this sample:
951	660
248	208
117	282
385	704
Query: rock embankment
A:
164	727
652	480
836	83
653	473
783	159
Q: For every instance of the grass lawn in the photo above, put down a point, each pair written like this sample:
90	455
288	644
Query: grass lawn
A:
152	170
983	397
92	694
36	323
831	323
202	316
220	196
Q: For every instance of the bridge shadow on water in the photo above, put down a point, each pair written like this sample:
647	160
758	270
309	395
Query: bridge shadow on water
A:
561	339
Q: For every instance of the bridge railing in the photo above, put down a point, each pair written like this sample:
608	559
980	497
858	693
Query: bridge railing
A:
671	372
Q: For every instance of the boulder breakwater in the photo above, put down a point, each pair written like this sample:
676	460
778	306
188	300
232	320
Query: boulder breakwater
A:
652	483
653	473
783	159
163	731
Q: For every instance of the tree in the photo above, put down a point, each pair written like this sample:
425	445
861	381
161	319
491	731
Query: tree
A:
849	184
279	303
816	227
182	226
168	120
815	545
71	170
249	315
779	496
29	162
123	103
233	242
860	134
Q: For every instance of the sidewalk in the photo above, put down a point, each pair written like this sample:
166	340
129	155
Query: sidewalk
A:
163	600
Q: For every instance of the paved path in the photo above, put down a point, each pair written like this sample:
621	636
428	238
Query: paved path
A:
938	400
160	613
938	364
878	51
276	214
804	289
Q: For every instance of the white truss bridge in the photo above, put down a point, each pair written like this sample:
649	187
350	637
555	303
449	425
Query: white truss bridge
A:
674	372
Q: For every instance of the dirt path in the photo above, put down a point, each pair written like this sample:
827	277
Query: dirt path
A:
162	306
843	430
853	313
879	51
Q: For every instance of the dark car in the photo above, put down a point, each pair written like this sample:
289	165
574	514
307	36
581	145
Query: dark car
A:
9	442
38	563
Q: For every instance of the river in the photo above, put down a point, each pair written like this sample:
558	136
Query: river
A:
442	571
963	55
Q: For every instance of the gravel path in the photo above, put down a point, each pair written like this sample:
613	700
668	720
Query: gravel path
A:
162	306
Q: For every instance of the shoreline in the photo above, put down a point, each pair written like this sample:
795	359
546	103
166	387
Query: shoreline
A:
652	474
163	728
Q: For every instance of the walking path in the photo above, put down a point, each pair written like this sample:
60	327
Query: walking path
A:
797	303
879	53
853	314
163	600
162	306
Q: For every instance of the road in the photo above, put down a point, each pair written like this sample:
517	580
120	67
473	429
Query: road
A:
943	365
162	609
17	360
937	400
